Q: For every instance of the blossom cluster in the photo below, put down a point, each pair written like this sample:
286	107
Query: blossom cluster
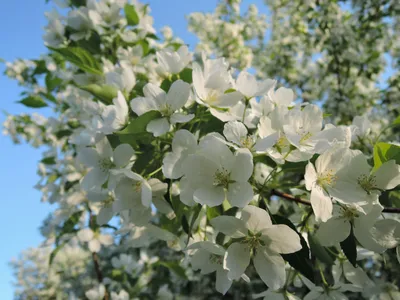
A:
166	163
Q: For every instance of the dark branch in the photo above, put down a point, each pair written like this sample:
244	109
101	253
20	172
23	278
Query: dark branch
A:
286	196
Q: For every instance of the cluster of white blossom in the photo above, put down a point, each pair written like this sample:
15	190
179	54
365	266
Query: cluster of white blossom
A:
162	164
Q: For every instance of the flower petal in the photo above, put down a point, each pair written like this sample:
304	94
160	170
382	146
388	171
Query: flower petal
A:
211	195
141	105
321	204
235	131
282	239
229	226
122	155
271	268
236	260
256	218
222	283
242	166
240	194
180	118
158	126
178	94
333	231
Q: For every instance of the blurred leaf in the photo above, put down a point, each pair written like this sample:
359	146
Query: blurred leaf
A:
139	124
33	101
131	15
384	152
105	93
319	251
48	160
81	58
349	248
186	75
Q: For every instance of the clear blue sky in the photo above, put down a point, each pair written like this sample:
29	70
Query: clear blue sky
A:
21	23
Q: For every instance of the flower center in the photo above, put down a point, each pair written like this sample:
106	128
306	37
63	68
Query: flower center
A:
166	110
349	213
247	142
222	178
105	164
282	144
254	241
137	186
327	179
367	182
305	137
217	259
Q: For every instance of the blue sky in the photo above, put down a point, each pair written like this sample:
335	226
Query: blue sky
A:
21	23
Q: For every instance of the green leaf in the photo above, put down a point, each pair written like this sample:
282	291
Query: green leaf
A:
78	3
69	225
166	84
55	251
185	225
319	251
33	101
349	248
396	122
52	82
62	133
384	152
139	124
299	260
105	93
175	267
213	212
325	115
186	75
231	90
81	58
131	15
49	160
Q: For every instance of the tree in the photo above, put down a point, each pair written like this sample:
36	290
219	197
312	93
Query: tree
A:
188	176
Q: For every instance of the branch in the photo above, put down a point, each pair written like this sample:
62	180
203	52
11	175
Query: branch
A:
99	274
286	196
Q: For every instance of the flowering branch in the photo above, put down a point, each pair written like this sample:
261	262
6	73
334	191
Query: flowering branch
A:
286	196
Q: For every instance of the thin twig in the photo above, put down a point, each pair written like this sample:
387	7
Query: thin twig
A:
286	196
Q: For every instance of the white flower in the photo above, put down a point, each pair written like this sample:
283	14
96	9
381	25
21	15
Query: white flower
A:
122	295
164	293
236	133
259	239
358	180
79	20
94	239
104	163
281	97
184	143
330	293
134	194
386	233
276	295
127	263
115	117
209	258
349	218
215	173
102	13
210	84
321	180
171	62
248	85
167	104
122	78
96	293
361	126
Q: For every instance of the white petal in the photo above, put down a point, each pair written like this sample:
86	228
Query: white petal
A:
266	143
223	283
211	195
154	92
229	226
94	246
247	84
106	239
158	126
243	166
283	96
88	156
236	260
178	94
183	139
95	178
364	237
180	118
282	239
85	235
256	218
240	194
321	204
333	231
271	268
141	105
385	233
122	155
235	131
388	175
310	176
146	193
121	105
105	215
104	149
